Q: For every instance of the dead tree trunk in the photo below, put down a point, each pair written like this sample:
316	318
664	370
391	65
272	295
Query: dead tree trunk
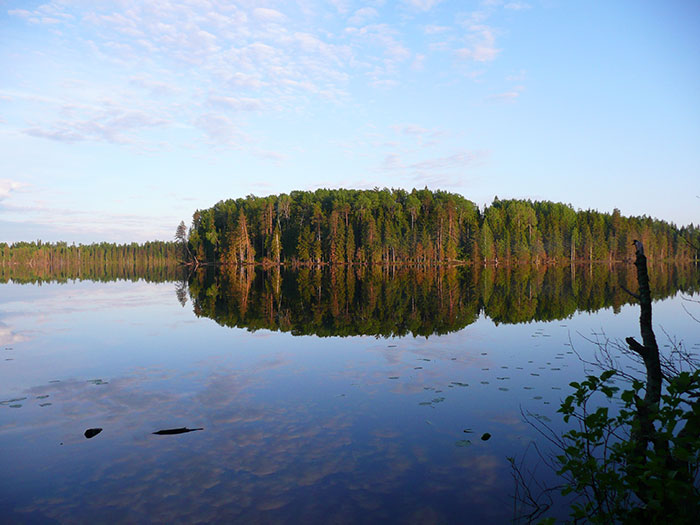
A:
646	435
649	350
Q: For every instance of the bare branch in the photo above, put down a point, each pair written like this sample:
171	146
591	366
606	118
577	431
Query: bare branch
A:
636	296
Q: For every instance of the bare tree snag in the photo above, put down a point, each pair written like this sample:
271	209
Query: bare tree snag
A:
649	350
647	408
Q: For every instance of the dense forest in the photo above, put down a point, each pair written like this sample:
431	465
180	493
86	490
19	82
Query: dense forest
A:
422	227
39	261
386	301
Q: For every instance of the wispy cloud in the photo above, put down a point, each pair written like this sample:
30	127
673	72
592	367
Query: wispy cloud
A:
507	96
41	219
517	6
236	103
184	57
432	29
220	129
115	125
363	15
268	15
411	129
448	170
8	187
422	5
481	44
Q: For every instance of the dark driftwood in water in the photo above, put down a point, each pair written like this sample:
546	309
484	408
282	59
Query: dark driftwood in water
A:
92	432
171	431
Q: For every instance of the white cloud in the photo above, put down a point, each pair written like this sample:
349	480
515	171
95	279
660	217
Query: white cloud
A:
458	160
422	5
268	15
432	29
481	44
411	129
236	103
53	223
156	88
274	156
508	96
517	6
109	124
418	63
342	6
363	15
220	129
7	187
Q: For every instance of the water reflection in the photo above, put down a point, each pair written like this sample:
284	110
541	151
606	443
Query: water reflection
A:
296	429
94	270
397	301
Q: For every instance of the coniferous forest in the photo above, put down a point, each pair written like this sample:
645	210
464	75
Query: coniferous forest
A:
422	227
385	226
38	261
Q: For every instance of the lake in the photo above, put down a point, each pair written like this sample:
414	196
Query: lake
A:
333	395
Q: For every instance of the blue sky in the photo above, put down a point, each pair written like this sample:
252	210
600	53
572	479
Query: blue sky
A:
119	119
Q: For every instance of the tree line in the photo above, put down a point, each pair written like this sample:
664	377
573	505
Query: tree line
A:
421	227
42	261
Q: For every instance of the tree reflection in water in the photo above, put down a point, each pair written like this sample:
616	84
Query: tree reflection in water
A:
387	301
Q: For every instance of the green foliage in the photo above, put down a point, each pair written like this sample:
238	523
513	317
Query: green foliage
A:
427	227
39	261
618	477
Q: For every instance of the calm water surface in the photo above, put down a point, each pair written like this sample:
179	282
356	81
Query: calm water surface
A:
295	428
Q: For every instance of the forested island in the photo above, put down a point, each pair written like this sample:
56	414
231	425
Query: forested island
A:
421	227
385	227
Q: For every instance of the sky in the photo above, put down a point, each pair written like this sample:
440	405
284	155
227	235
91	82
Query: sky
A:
118	119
